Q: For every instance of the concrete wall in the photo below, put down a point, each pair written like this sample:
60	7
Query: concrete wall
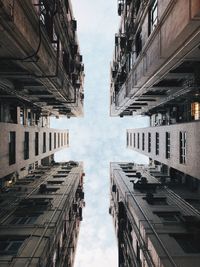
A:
50	238
192	130
177	33
5	168
152	233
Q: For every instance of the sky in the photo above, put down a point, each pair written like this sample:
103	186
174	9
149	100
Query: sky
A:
97	139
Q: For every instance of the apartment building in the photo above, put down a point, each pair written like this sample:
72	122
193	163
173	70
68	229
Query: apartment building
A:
176	146
24	147
156	58
154	226
41	215
40	59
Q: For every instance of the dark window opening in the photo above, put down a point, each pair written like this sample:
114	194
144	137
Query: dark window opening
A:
26	145
157	143
25	219
36	144
167	137
131	139
188	242
153	16
143	141
182	151
12	148
127	139
50	141
138	140
138	43
168	216
44	143
54	140
10	245
149	142
58	139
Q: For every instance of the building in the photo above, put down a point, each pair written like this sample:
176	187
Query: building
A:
23	147
154	226
41	215
156	59
175	146
40	60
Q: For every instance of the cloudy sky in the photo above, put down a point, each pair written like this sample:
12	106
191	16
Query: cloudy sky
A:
97	139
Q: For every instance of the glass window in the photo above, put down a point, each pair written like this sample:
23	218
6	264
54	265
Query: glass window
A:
188	242
54	140
44	142
130	139
143	141
138	140
157	143
167	137
149	142
26	145
24	220
168	216
195	110
153	16
50	141
183	138
36	144
10	246
12	148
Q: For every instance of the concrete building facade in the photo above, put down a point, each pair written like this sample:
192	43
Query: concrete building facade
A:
24	148
177	145
154	226
156	56
41	215
40	60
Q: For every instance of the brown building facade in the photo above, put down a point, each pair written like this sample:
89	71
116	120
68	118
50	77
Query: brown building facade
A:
154	225
156	55
41	215
40	60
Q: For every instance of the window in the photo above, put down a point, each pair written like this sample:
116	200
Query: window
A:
10	245
168	216
167	137
157	143
12	148
21	116
143	140
54	140
153	16
130	139
50	144
182	137
137	5
24	219
138	140
149	142
138	43
36	144
58	139
65	139
195	110
134	139
127	139
188	242
61	139
26	145
158	201
44	143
